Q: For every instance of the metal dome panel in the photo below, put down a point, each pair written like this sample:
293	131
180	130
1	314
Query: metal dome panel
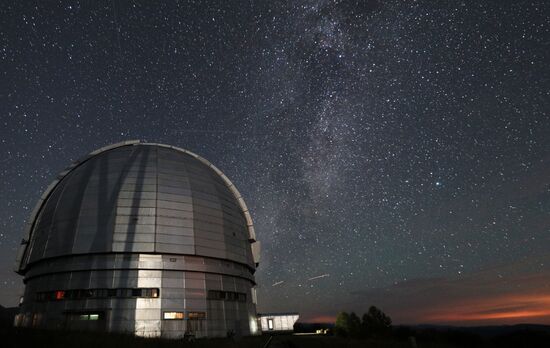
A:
141	198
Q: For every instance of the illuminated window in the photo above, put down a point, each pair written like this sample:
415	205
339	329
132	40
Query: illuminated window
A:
173	315
89	316
270	324
36	319
153	293
59	295
144	292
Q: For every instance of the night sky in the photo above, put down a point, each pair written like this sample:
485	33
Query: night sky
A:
394	153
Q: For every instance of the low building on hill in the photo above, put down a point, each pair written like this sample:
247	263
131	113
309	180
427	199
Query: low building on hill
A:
277	322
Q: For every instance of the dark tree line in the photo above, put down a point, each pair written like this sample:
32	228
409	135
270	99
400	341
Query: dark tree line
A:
374	323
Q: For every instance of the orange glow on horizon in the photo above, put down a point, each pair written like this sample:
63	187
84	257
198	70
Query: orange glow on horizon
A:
496	309
321	319
506	309
471	309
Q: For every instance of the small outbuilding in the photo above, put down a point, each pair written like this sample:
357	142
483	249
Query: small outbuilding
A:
277	321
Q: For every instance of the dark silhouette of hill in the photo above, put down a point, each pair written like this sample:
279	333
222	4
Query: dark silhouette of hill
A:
490	331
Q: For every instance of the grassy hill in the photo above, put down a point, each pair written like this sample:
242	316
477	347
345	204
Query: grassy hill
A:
425	338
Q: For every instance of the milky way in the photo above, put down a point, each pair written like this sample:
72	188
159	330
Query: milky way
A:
390	151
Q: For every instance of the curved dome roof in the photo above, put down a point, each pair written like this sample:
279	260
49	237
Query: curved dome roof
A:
141	198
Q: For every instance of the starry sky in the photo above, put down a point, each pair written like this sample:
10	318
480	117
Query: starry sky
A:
392	153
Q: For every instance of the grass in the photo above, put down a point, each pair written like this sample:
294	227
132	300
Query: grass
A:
22	338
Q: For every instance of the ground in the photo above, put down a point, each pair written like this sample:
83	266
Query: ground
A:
21	338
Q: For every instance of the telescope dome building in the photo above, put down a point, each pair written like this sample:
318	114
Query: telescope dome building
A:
142	238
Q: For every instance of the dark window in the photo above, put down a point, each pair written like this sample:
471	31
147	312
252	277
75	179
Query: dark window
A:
70	294
124	293
226	295
196	315
101	293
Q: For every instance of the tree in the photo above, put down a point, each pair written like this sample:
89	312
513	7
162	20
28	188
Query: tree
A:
341	327
348	325
354	329
376	323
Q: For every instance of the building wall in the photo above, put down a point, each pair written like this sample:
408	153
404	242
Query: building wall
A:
185	285
278	322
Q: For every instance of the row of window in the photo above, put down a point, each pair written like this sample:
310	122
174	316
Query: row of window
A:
181	315
79	294
226	295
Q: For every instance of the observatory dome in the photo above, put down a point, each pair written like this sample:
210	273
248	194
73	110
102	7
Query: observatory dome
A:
141	222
